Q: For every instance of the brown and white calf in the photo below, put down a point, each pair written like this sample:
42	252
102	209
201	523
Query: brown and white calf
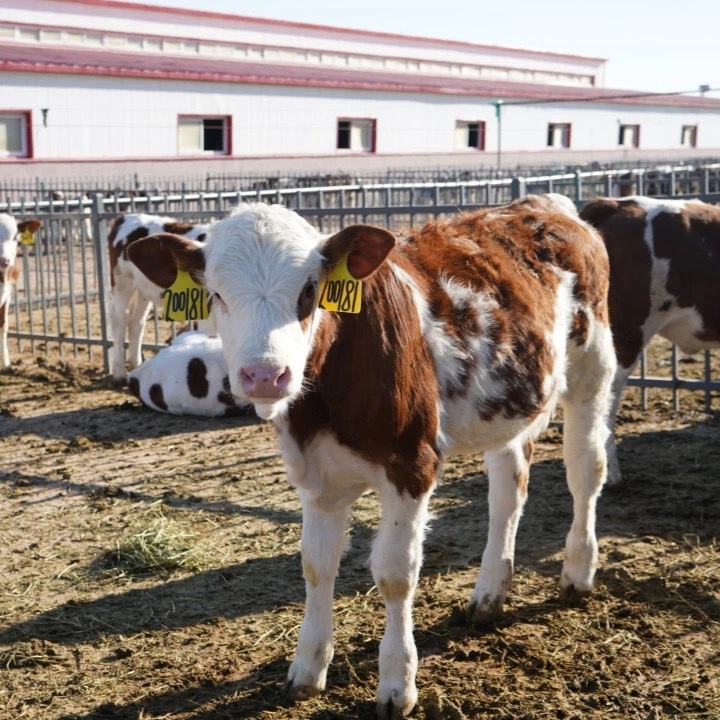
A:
664	280
132	294
471	330
189	377
10	230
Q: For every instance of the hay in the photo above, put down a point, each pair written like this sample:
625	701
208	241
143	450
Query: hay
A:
158	545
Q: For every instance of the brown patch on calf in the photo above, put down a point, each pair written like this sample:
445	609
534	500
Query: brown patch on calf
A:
197	381
160	256
156	395
3	314
622	227
521	481
178	228
507	254
114	253
226	397
528	450
389	413
134	387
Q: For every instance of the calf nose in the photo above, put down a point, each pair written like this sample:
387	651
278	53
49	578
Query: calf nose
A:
265	381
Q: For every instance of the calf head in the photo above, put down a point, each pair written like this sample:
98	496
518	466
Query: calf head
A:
263	267
9	229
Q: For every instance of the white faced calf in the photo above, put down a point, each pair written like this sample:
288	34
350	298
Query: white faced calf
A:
10	230
132	294
189	377
664	280
470	331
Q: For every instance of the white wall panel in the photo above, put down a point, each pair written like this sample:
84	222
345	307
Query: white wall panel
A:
105	117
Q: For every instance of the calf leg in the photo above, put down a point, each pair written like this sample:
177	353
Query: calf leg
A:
119	318
137	317
4	350
508	472
585	408
614	473
322	545
395	561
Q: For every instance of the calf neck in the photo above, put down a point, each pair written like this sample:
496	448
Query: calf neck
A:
471	330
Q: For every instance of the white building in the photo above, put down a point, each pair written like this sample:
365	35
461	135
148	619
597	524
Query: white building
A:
102	87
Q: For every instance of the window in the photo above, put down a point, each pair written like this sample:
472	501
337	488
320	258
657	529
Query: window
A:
470	134
558	135
688	138
629	136
204	135
358	135
15	134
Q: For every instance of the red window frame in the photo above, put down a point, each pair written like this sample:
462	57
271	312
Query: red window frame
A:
29	150
228	133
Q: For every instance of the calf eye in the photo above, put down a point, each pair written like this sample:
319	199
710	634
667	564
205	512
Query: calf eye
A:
306	300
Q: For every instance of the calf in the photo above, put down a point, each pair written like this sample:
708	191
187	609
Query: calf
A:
664	280
131	295
10	229
189	377
470	331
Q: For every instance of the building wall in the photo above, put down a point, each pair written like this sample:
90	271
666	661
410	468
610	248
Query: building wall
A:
92	117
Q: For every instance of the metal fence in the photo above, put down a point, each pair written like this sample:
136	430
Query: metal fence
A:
61	296
638	176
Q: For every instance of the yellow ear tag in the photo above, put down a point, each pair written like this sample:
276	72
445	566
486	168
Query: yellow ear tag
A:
185	299
27	237
341	292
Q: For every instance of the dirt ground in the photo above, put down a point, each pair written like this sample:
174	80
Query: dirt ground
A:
81	638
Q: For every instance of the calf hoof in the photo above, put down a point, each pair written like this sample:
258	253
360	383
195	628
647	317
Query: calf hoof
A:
485	611
572	595
299	692
396	706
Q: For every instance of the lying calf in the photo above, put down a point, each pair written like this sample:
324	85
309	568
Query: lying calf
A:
189	377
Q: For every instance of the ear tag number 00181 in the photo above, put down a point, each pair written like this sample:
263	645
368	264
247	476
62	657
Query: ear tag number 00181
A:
185	299
27	237
341	292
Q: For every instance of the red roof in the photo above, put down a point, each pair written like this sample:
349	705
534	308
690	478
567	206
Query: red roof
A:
15	57
286	24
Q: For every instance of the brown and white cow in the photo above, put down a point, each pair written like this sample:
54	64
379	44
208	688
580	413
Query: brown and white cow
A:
10	230
471	330
132	294
189	377
664	280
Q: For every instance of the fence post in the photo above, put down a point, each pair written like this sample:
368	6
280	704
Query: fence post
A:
517	188
101	258
578	186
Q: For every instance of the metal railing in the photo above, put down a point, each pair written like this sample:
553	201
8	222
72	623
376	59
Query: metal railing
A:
61	299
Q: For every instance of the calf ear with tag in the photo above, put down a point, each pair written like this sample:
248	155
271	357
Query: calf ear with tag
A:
341	292
27	230
185	300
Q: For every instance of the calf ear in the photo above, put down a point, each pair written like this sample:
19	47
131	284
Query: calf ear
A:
32	225
159	257
365	246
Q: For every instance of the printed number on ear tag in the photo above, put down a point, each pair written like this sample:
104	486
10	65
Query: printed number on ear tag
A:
27	237
341	292
185	299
